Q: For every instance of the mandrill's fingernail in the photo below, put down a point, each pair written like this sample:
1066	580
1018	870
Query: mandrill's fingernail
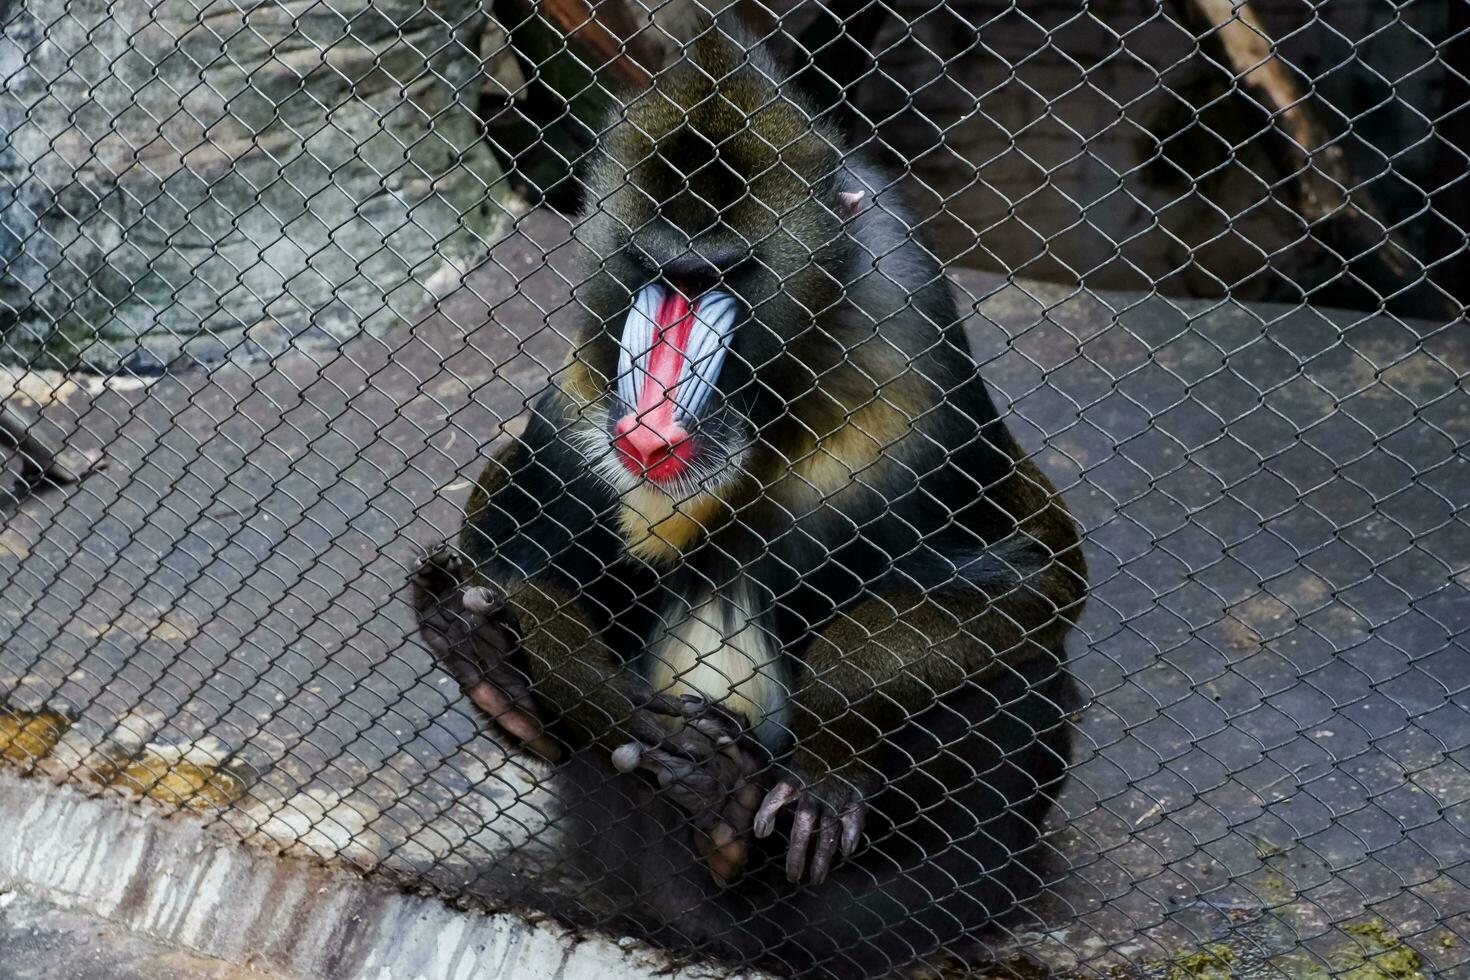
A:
625	758
726	863
480	600
765	817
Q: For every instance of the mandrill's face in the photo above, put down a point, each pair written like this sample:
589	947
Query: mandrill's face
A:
670	422
671	404
715	250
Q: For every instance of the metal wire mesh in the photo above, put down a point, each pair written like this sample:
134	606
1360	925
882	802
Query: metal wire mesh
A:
294	273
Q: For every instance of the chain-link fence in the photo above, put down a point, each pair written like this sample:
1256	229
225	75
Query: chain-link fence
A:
765	636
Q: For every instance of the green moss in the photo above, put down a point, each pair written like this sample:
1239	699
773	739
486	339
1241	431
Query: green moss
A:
1212	962
1368	951
26	736
1386	957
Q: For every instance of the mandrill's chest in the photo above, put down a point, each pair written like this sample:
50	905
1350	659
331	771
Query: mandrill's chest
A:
716	644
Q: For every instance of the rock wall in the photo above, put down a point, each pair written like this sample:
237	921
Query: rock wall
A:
220	179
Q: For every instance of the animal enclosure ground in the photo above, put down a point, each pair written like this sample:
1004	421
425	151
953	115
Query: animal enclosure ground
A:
1275	498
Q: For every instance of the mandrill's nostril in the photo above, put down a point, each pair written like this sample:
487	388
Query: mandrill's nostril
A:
646	448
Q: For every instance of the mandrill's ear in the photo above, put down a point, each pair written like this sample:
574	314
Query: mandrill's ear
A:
848	203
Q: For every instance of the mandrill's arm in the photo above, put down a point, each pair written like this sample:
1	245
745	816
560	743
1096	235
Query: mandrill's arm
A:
506	614
503	611
882	662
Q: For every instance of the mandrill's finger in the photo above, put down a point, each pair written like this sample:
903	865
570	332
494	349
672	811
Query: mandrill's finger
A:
544	746
505	683
713	720
429	582
690	742
765	818
737	816
748	797
435	600
625	758
740	809
685	783
440	569
801	836
825	848
481	601
493	701
853	819
665	704
520	724
747	763
745	794
727	859
724	854
717	730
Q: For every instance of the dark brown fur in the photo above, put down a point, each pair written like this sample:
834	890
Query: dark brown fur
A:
912	575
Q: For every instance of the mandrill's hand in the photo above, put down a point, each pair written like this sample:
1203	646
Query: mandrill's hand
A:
473	633
707	766
830	808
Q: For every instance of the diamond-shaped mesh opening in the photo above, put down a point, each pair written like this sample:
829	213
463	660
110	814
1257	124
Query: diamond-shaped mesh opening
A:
828	488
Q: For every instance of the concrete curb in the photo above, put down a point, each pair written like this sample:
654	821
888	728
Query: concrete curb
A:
178	883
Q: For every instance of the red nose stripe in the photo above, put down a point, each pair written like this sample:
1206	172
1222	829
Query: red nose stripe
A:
673	323
649	441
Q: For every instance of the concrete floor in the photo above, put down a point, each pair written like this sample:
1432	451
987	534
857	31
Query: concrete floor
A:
88	881
43	942
1276	642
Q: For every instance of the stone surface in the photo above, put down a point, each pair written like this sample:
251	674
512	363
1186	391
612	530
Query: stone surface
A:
40	941
96	888
1275	502
173	174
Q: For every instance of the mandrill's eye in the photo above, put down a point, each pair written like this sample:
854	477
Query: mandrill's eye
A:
669	358
640	259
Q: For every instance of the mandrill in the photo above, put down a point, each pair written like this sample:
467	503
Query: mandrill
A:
766	577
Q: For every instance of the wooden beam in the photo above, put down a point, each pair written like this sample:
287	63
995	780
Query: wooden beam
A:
608	29
1325	192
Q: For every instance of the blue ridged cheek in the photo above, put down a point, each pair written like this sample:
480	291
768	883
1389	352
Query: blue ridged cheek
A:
709	342
636	342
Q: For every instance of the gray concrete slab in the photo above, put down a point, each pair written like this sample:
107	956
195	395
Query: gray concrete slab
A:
41	941
89	886
1276	643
